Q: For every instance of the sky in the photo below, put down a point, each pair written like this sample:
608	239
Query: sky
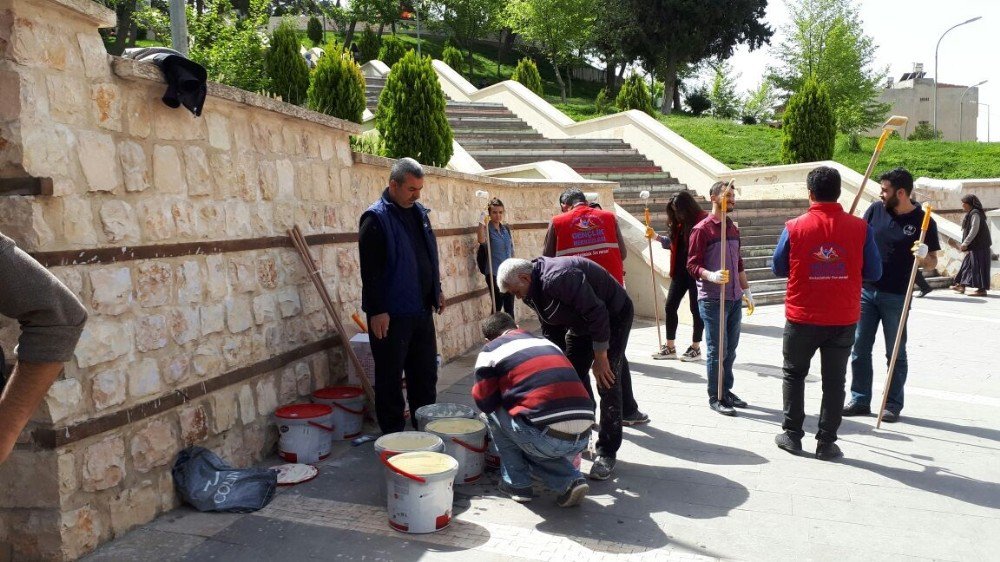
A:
906	32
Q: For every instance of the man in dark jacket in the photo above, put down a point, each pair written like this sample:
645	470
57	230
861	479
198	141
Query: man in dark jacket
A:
580	295
401	284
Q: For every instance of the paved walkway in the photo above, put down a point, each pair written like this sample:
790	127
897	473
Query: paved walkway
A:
692	484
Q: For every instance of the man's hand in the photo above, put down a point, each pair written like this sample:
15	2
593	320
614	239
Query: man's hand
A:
380	325
650	233
748	299
440	304
919	250
603	374
720	277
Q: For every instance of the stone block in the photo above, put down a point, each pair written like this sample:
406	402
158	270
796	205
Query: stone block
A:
239	316
154	283
135	166
217	283
72	278
242	271
303	378
304	182
218	130
262	221
107	106
189	286
177	370
326	147
207	361
95	55
237	350
288	389
168	177
99	159
210	219
286	179
267	176
157	220
138	111
134	506
246	178
119	222
104	464
194	424
144	378
183	214
288	302
151	332
221	165
108	388
67	99
184	324
81	531
213	319
238	220
153	445
267	397
78	221
28	467
102	341
177	124
248	412
199	177
65	474
112	290
224	410
46	150
64	399
267	272
264	309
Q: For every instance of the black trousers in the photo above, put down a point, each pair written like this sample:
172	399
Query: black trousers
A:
410	346
683	284
922	283
504	301
800	344
580	351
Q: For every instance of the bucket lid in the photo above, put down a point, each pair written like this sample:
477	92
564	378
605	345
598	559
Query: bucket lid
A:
424	463
446	410
455	426
302	411
337	392
405	441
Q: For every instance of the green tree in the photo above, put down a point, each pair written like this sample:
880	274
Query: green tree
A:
559	27
453	58
338	87
468	20
392	50
726	102
808	127
635	95
411	115
698	102
924	131
759	104
526	73
368	46
614	38
285	67
825	39
228	45
314	30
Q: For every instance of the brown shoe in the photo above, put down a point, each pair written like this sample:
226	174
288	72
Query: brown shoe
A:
960	289
979	293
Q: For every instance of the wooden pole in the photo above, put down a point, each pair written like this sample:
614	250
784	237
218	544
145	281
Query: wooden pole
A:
903	317
871	167
652	281
489	261
722	293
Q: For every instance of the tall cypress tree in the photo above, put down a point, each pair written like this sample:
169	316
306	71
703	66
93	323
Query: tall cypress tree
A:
285	67
338	87
808	127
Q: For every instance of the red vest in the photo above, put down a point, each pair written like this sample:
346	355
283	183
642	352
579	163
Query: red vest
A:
826	254
592	234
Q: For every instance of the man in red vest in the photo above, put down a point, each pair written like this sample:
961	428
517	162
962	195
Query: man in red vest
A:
587	231
825	253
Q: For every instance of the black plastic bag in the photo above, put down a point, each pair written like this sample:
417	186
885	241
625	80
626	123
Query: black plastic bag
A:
203	480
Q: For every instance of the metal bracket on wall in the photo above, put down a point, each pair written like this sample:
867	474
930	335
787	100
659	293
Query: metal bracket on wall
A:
25	186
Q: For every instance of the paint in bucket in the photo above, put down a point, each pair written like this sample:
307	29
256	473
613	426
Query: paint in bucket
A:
406	442
304	432
442	410
421	490
465	440
348	403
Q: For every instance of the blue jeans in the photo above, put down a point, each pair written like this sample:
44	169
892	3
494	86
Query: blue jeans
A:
525	449
709	310
887	308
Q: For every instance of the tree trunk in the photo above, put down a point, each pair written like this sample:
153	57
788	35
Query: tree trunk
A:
349	38
609	75
669	86
559	80
677	94
132	35
468	59
569	80
381	28
199	7
242	6
500	53
123	30
393	27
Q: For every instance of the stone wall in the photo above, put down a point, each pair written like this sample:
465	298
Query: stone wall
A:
172	231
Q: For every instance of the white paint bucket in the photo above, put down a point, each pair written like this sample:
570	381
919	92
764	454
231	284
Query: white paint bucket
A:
421	490
406	442
465	440
442	410
348	403
304	432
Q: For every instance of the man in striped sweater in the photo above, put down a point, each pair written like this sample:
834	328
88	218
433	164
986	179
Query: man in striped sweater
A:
539	413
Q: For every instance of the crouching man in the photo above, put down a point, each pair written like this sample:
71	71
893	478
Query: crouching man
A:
538	411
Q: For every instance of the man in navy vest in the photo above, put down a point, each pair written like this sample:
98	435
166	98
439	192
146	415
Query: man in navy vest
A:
401	286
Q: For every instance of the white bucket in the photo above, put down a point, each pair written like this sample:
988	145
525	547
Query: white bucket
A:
304	432
348	403
442	410
465	440
421	490
408	442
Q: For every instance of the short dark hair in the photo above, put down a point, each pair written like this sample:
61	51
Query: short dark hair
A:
494	326
717	188
824	183
495	202
572	196
898	178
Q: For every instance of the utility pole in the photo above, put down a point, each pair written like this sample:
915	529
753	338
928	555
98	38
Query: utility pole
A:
178	27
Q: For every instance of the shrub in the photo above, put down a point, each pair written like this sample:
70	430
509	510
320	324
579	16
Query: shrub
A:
635	95
392	50
285	67
368	46
314	30
809	126
226	44
411	113
369	142
601	102
453	58
924	131
338	87
527	74
698	102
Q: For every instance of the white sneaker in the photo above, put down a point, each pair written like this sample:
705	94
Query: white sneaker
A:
692	354
666	352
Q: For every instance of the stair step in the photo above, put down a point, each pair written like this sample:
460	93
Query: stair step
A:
798	204
764	298
757	273
758	240
768	285
591	155
757	262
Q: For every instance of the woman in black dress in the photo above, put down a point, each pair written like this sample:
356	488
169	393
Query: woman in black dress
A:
976	242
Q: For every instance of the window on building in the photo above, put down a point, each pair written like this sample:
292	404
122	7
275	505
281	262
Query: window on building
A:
925	99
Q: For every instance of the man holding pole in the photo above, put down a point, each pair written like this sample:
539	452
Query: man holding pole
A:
825	253
895	223
715	286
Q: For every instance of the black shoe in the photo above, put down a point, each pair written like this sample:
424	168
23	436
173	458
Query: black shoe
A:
736	401
923	293
722	407
635	418
520	495
602	468
888	416
574	494
827	451
791	444
855	408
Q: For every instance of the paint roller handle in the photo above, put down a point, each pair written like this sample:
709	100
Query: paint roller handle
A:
881	140
468	446
384	457
326	428
927	217
361	324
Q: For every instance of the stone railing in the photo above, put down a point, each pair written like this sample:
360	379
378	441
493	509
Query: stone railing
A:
171	229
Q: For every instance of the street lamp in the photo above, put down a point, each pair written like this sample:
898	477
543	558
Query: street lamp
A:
961	108
987	120
936	65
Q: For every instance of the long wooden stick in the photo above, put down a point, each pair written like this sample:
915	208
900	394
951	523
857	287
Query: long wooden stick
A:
489	263
902	319
299	241
652	281
871	167
723	202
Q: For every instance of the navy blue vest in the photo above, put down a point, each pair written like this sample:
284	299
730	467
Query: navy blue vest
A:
401	275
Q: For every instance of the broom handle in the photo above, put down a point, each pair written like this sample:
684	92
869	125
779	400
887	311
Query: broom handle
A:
489	265
652	281
722	300
871	168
